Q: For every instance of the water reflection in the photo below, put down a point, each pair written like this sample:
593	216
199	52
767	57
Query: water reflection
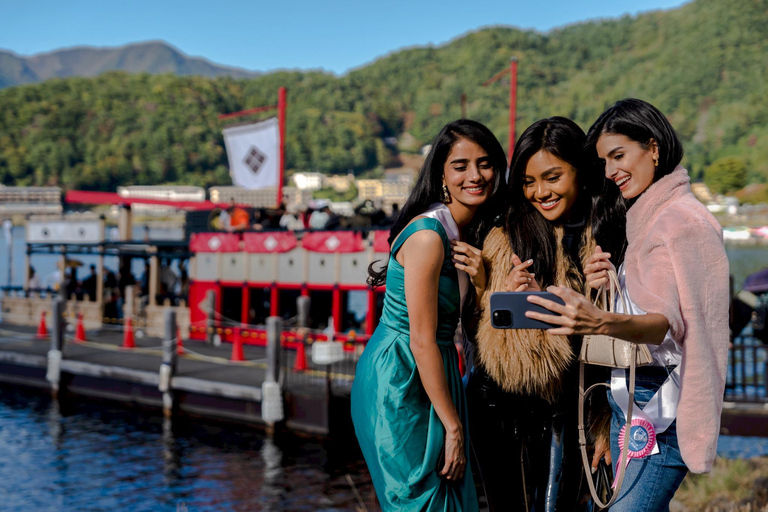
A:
91	456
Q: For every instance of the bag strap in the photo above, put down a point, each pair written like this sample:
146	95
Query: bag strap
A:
583	438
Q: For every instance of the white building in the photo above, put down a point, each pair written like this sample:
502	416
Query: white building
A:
308	180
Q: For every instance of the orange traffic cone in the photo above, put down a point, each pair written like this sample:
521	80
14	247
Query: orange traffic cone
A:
128	341
300	364
80	330
237	348
42	329
179	345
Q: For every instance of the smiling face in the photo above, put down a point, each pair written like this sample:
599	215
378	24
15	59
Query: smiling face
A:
468	174
628	163
550	185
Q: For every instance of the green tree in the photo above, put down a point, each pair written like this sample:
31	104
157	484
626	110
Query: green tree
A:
725	175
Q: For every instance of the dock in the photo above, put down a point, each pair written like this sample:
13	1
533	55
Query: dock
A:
226	381
207	381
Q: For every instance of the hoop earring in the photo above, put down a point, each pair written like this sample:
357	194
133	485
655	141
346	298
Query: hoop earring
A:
446	195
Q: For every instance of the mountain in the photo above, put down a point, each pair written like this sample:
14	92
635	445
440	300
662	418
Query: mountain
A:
150	57
703	64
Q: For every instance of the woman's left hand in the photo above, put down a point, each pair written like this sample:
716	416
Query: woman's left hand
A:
470	260
577	316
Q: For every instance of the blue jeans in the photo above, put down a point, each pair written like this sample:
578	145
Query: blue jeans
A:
650	483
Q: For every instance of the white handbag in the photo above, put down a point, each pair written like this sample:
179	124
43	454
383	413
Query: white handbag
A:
605	350
609	351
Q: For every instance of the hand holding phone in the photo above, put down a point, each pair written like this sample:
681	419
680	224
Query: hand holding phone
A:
508	310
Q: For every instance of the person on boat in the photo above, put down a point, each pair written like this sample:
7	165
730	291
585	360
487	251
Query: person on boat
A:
674	280
408	403
521	391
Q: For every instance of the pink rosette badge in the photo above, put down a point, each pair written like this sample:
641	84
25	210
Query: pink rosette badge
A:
641	439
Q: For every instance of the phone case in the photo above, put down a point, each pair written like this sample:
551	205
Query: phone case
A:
508	310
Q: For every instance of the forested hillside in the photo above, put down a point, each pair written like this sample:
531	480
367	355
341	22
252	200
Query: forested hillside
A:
703	64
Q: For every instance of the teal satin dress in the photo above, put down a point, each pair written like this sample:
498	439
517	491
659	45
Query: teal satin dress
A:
398	430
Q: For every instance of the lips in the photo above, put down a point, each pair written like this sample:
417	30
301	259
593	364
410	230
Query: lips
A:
475	190
548	205
623	182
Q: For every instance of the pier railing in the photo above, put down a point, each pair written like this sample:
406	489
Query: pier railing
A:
747	378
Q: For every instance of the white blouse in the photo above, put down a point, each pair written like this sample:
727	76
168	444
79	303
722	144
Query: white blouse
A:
669	352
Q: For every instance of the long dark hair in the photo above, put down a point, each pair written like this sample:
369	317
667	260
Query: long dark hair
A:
532	236
641	122
429	185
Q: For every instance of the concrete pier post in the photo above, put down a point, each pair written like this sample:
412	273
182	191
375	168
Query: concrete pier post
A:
53	373
272	410
168	367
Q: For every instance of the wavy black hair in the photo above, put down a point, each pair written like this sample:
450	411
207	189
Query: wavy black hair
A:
643	123
429	185
531	235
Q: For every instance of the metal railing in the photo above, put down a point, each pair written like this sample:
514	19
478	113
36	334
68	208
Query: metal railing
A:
747	377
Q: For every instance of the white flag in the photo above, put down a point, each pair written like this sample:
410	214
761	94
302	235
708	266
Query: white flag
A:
254	154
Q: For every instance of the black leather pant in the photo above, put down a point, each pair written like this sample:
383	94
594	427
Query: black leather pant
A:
526	449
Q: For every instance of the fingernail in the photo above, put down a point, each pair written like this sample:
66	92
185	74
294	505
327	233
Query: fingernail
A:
594	469
529	261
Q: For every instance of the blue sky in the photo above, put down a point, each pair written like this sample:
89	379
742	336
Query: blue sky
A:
335	35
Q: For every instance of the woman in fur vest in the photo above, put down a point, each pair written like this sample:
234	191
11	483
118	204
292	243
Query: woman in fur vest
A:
522	391
674	279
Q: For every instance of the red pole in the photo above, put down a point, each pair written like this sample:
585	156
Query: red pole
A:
246	305
274	300
371	312
281	126
336	308
512	104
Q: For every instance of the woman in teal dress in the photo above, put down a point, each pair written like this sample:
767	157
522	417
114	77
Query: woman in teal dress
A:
408	403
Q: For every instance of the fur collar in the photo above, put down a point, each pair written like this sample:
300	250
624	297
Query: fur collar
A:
648	205
524	361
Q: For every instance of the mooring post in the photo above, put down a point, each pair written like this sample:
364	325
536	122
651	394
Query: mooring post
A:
53	374
271	392
302	309
210	324
168	367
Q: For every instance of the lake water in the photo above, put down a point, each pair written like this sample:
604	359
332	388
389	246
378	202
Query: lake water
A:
94	457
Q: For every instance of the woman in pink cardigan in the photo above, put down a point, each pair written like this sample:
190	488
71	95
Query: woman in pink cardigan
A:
675	283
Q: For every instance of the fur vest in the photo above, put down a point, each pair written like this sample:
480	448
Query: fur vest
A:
525	361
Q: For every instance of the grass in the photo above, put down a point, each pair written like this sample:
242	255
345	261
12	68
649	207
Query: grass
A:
736	485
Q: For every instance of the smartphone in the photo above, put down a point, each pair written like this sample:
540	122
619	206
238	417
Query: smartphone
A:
508	310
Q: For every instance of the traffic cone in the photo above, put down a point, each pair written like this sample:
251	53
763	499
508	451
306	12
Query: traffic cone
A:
128	341
179	345
300	364
80	330
42	329
237	348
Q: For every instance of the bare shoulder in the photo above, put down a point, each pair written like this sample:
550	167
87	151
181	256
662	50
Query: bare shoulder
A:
422	247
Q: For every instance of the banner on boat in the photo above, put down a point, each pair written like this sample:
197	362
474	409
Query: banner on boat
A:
253	151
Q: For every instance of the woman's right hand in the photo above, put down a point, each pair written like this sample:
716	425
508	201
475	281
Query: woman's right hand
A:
455	458
519	279
597	267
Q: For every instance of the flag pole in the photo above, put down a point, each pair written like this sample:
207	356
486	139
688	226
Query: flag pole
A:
512	105
281	104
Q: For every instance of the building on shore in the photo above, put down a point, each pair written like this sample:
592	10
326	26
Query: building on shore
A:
385	192
27	200
308	180
261	197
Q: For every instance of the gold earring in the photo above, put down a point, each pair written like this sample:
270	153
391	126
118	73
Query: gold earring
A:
656	161
446	195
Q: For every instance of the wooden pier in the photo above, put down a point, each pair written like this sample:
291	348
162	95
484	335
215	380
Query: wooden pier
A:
205	380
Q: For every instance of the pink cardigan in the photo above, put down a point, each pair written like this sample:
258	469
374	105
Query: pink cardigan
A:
676	265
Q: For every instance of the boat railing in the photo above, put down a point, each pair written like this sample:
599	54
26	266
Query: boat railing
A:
747	377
